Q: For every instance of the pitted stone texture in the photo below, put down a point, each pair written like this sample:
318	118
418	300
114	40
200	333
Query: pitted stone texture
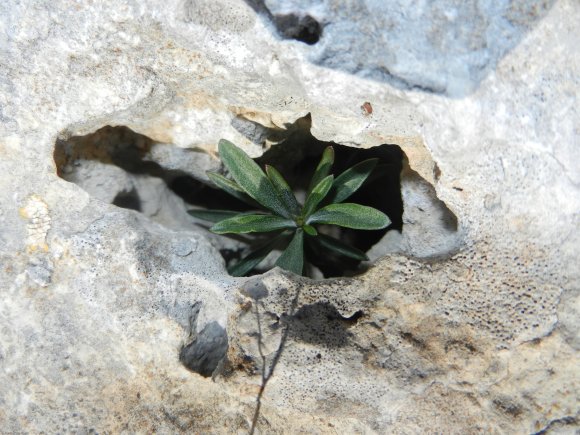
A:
407	348
96	301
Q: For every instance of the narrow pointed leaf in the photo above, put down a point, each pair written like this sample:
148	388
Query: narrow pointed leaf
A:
252	223
340	248
251	178
284	191
231	187
310	230
292	259
317	195
350	215
323	167
350	180
254	258
213	215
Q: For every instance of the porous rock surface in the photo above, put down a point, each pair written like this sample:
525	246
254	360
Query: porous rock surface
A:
463	328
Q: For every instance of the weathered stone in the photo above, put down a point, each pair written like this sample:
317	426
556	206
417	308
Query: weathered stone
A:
443	47
467	322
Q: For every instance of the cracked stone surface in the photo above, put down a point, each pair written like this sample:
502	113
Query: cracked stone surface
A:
466	322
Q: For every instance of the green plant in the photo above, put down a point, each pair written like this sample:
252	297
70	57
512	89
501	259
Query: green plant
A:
280	211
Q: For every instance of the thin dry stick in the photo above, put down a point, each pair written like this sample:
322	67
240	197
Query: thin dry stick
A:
266	376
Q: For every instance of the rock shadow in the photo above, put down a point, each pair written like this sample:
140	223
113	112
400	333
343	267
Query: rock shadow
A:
321	324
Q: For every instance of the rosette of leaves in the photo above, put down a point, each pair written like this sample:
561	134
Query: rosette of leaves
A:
278	211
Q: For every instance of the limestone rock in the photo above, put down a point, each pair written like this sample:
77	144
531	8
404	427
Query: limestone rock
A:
466	322
443	47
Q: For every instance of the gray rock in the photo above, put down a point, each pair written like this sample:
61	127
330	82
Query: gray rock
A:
464	331
430	229
207	348
441	47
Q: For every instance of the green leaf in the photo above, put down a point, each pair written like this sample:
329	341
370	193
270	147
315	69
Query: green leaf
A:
323	167
230	187
292	259
284	190
251	178
350	180
254	258
213	215
317	195
339	247
252	223
310	230
350	215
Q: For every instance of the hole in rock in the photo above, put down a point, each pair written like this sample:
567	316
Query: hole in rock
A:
127	169
163	181
128	199
302	28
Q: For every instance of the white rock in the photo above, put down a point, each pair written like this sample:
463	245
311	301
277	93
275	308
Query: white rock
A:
451	332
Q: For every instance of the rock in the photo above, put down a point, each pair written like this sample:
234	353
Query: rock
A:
116	307
443	47
430	228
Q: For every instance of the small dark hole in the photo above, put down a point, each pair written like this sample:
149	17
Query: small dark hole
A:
302	28
128	199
